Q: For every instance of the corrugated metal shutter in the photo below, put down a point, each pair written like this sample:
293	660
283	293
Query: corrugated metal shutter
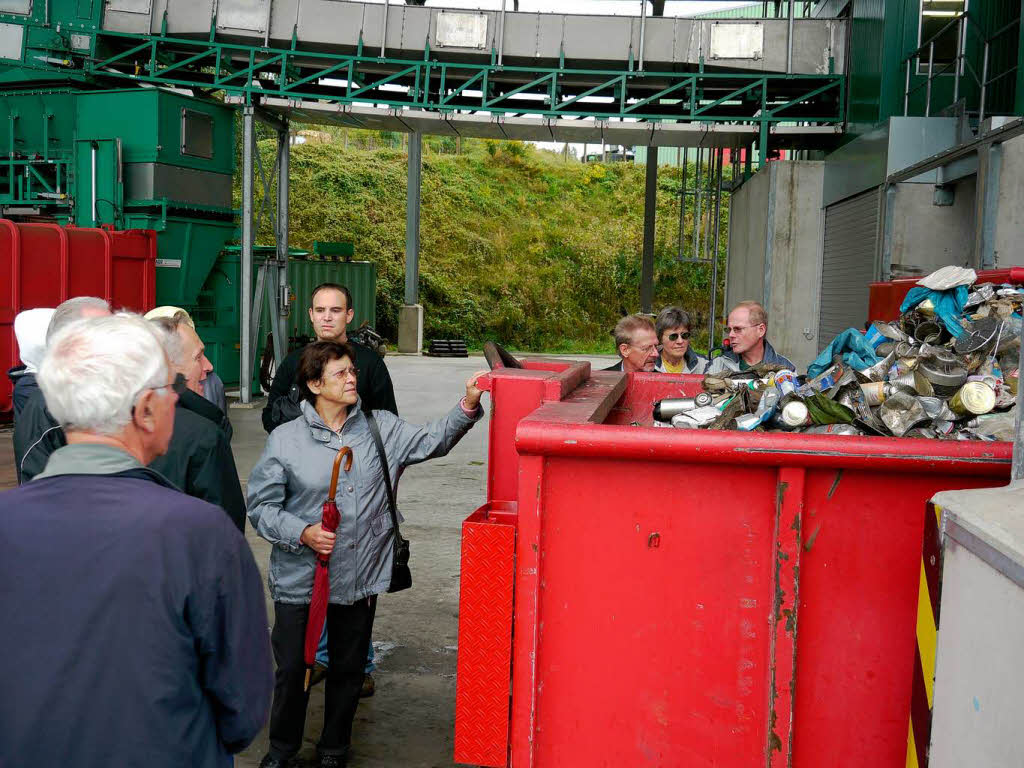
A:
848	264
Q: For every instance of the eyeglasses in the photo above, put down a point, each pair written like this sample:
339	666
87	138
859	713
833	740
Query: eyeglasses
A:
178	385
684	336
346	372
729	330
645	349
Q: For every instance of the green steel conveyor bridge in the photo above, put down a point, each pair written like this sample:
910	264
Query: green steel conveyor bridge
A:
654	81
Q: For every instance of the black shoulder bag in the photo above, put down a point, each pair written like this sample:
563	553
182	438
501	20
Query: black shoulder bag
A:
401	576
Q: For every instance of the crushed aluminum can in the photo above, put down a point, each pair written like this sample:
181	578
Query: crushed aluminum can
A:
833	429
933	406
902	412
982	293
875	392
877	371
665	409
928	333
785	382
700	417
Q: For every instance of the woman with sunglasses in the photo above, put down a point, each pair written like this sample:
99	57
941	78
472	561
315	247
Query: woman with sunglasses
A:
677	356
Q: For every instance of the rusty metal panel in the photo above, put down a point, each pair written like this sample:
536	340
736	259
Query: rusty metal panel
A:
485	636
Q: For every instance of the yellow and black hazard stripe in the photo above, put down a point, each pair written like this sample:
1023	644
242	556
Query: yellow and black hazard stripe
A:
919	734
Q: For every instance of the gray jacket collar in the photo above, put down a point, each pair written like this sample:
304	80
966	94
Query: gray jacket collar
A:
320	430
771	357
88	459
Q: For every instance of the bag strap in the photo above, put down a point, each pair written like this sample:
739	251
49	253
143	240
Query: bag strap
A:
375	431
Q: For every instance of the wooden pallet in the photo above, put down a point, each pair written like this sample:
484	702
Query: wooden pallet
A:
448	348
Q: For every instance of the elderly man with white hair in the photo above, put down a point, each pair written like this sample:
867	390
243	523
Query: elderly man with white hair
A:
135	631
36	433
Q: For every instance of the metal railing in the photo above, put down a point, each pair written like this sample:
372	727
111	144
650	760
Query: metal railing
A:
964	26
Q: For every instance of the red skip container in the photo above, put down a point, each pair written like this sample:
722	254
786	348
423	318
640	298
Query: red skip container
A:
690	598
884	299
45	264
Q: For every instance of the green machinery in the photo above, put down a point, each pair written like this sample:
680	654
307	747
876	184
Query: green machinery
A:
150	158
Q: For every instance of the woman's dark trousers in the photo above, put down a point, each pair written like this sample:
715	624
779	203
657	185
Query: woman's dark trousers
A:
348	634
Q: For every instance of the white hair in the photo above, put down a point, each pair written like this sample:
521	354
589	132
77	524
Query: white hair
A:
166	329
94	370
70	311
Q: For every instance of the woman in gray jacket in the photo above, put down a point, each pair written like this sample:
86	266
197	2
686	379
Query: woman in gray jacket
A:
287	489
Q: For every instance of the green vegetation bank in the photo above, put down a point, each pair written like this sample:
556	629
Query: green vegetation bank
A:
527	247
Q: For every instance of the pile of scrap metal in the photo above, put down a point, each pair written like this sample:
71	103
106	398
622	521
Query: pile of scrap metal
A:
947	369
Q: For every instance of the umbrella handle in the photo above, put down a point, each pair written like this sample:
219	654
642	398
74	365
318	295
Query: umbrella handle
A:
343	453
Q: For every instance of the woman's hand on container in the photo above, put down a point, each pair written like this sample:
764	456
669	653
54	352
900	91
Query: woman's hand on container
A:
473	392
317	539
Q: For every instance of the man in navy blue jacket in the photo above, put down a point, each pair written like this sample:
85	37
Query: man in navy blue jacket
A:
135	631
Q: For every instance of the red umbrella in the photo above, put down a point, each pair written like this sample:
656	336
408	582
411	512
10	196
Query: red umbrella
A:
321	579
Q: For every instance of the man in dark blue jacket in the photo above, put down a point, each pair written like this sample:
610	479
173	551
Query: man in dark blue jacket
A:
135	631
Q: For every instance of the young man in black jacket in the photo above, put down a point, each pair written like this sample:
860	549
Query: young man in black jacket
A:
330	311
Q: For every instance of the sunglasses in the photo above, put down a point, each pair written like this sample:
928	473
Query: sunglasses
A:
675	336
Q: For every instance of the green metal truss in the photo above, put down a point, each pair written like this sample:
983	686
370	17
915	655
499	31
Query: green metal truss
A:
439	86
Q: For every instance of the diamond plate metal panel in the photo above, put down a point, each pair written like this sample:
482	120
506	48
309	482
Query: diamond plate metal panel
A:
485	636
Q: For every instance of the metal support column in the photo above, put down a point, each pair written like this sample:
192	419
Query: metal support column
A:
643	26
789	39
280	318
650	208
248	147
990	161
682	210
412	221
714	252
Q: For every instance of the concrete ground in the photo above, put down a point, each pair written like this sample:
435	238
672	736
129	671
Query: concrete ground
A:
410	720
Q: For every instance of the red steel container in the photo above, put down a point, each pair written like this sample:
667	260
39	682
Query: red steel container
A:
689	598
884	299
45	264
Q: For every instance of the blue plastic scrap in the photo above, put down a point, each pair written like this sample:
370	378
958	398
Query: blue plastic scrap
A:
855	348
949	305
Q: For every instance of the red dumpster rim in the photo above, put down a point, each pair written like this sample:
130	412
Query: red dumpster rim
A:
544	435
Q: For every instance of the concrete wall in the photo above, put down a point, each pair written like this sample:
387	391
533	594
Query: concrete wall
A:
748	217
1009	219
925	236
775	252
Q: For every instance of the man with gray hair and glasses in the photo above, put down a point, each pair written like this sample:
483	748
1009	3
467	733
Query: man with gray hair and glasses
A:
636	343
199	459
746	329
36	433
135	629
